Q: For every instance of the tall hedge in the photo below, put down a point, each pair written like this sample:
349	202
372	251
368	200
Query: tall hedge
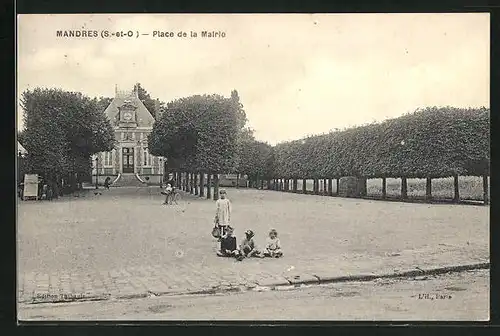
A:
431	142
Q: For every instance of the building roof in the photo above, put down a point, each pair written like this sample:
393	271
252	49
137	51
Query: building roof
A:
144	117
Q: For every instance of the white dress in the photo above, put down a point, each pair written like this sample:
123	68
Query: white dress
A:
223	212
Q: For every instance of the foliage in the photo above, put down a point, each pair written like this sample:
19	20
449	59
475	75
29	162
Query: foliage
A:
432	142
154	106
240	112
253	158
198	133
103	103
62	130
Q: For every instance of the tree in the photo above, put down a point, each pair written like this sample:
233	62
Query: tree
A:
240	112
154	106
63	129
103	103
432	142
199	133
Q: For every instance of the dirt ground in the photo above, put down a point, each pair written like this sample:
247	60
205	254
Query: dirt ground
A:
124	242
453	297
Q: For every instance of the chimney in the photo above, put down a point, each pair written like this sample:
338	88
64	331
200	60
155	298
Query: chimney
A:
136	91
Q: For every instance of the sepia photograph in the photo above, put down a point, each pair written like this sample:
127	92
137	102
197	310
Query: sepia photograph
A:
253	167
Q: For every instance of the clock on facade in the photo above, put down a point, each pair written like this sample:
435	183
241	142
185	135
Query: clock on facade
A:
127	116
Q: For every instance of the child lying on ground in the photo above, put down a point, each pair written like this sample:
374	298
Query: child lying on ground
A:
273	246
228	244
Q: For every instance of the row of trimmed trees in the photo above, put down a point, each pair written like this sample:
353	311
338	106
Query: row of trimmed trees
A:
205	135
62	131
429	143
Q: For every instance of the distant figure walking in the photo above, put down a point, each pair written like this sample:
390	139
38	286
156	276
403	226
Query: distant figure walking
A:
223	212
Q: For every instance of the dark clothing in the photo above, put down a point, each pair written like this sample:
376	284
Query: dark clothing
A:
171	182
228	243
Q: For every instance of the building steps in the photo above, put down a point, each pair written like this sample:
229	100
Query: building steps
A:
128	180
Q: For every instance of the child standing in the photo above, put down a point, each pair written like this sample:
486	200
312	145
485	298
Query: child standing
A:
273	245
223	212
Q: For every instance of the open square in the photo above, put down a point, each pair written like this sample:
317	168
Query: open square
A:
124	242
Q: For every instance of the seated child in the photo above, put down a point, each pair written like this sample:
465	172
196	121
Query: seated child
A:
273	246
247	247
228	244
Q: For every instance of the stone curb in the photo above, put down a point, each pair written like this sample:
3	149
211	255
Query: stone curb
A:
370	277
277	284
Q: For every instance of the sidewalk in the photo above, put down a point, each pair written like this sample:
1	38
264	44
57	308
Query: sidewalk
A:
232	275
118	246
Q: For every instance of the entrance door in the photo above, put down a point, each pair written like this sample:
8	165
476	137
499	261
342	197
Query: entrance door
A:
128	160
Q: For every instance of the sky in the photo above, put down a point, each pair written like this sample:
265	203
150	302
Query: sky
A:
296	74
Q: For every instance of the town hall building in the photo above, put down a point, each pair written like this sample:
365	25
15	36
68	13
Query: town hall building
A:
130	162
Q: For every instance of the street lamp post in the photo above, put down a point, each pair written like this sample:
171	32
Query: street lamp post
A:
161	172
97	172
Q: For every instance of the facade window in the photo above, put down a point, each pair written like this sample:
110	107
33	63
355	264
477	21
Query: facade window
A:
108	158
148	158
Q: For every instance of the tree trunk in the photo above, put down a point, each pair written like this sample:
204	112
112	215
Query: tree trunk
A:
295	185
209	188
304	186
338	185
237	180
216	187
404	188
196	184
202	184
363	189
191	183
324	186
485	189
428	189
316	183
384	188
330	187
262	184
456	197
55	184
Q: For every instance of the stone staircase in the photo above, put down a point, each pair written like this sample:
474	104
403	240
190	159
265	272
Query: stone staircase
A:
128	180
